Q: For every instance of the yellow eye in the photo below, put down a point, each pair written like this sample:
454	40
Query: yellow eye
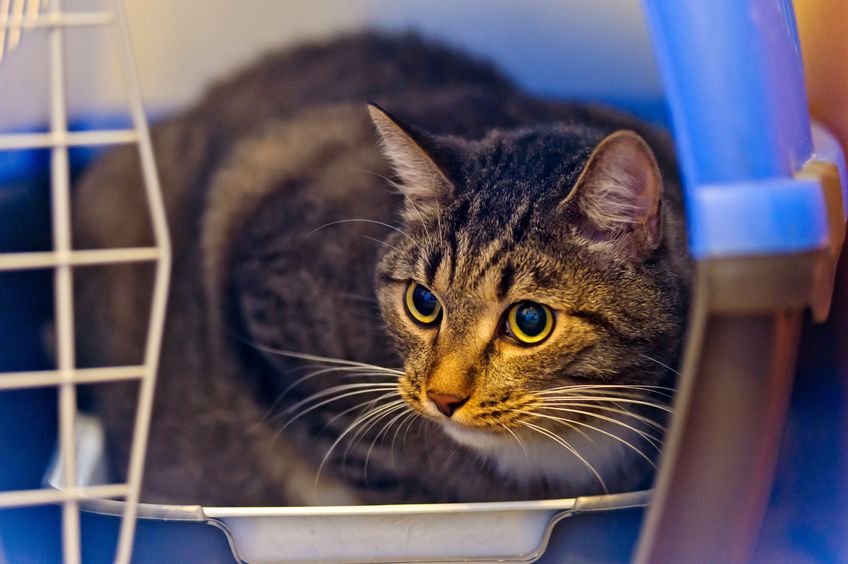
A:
422	305
529	323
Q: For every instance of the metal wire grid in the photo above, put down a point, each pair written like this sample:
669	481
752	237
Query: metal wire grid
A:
63	258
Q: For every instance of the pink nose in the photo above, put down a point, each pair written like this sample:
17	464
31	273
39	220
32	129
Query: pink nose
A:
446	403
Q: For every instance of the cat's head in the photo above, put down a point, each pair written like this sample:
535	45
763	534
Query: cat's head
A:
528	288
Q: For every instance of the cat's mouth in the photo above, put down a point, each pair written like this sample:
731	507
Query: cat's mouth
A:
467	430
464	425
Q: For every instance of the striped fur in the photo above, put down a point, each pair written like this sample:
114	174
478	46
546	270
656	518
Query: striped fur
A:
292	233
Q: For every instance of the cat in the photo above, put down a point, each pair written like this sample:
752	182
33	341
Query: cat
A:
486	305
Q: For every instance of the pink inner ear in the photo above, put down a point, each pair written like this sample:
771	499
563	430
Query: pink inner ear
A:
619	194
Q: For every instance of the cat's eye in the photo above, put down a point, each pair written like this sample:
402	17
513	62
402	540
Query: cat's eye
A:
422	305
529	323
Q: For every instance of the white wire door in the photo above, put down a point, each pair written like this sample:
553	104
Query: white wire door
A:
18	17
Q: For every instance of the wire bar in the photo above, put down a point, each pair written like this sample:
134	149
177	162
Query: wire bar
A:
15	33
50	259
63	288
44	378
4	10
160	293
13	141
67	19
23	498
17	16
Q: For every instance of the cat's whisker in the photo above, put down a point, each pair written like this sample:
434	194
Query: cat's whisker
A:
570	424
385	427
324	392
305	356
384	243
566	399
638	387
356	422
612	394
301	380
401	189
518	440
619	410
372	402
406	421
408	427
320	404
597	429
384	431
366	405
628	386
393	183
656	442
565	444
359	372
331	368
364	430
652	359
637	393
364	220
324	359
373	411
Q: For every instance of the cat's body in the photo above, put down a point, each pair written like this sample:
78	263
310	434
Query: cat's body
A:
260	180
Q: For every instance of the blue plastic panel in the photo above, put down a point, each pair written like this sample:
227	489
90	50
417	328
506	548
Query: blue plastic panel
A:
757	217
735	86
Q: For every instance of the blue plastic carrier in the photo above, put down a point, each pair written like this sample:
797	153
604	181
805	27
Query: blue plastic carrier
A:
735	87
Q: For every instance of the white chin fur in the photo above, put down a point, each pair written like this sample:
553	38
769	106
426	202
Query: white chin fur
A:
541	457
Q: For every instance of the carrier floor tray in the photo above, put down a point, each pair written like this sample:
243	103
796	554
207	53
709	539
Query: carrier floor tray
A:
515	531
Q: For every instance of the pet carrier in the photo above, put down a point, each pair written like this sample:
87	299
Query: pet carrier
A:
765	191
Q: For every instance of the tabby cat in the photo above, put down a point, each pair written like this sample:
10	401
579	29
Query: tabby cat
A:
485	305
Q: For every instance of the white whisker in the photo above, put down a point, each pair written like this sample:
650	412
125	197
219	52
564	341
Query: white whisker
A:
660	363
363	431
372	221
311	408
358	421
324	359
367	405
386	426
599	430
401	189
619	410
384	243
518	440
361	372
567	399
562	442
407	421
630	389
654	441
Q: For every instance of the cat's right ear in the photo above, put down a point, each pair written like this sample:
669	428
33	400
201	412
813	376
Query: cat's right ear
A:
618	196
413	154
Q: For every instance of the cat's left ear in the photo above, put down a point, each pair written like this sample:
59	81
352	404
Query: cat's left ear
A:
418	158
617	196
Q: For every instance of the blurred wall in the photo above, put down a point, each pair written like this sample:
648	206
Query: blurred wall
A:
596	49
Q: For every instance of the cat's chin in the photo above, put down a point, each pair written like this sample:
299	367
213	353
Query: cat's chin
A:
478	439
539	458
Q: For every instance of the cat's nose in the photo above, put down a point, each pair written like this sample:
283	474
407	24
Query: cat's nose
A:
446	403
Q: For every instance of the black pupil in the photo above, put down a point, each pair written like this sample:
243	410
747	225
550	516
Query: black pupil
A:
531	319
424	300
